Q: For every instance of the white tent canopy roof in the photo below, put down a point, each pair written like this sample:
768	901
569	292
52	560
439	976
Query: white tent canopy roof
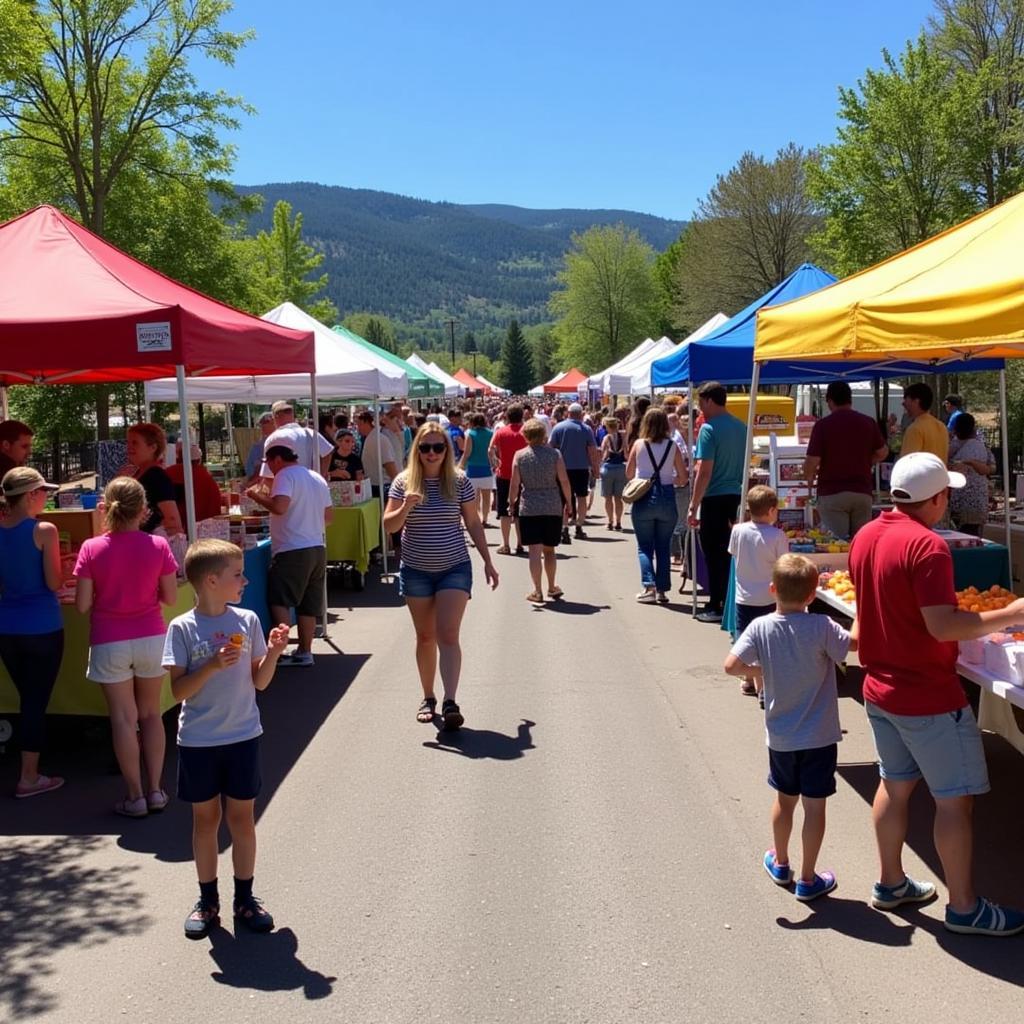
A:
643	380
634	375
494	387
343	370
452	388
596	379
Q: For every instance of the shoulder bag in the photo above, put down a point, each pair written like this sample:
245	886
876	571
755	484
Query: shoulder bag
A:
637	488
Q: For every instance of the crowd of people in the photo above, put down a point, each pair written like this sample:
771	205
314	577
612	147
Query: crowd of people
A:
435	473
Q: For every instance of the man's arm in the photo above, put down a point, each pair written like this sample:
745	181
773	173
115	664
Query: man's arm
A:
947	622
700	485
811	465
880	454
276	505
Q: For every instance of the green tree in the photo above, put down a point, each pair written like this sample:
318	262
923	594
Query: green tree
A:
896	174
378	330
283	263
983	40
516	361
607	300
544	345
668	279
749	234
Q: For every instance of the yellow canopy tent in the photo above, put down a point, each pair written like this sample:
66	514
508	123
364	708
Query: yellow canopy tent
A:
956	298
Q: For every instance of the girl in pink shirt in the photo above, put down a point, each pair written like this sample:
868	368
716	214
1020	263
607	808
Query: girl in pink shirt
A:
123	578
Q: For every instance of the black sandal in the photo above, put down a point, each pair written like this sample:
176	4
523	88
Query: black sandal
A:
427	710
451	714
254	915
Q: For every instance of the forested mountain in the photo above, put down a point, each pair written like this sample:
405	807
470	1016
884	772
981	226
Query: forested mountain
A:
420	262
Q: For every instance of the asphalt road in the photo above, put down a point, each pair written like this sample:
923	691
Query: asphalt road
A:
587	849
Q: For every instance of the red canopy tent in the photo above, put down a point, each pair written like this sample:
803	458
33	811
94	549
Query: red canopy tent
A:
571	381
74	309
467	380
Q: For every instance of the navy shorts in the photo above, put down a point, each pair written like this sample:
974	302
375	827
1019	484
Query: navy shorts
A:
809	773
421	583
231	770
579	482
746	613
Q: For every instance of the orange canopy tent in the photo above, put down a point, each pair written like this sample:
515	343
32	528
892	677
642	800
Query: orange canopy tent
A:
571	381
467	380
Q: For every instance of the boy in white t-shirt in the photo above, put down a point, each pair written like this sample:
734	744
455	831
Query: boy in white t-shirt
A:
218	659
756	546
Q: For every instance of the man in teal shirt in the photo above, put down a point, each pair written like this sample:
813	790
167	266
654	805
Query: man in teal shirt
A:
721	450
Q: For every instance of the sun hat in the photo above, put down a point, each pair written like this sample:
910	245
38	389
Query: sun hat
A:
23	479
920	476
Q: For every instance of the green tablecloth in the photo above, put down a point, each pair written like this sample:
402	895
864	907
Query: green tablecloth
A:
354	531
981	567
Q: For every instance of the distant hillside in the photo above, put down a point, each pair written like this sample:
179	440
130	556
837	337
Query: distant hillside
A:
418	261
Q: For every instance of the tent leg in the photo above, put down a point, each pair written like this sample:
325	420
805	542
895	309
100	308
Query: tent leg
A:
748	450
186	461
231	438
316	469
1004	427
377	406
691	532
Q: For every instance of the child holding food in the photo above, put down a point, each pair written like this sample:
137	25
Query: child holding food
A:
218	659
755	547
795	655
123	578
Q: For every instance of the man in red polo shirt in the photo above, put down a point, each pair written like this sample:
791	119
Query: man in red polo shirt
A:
909	623
844	447
506	442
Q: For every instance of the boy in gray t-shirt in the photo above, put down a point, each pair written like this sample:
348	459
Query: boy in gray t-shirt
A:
795	654
218	659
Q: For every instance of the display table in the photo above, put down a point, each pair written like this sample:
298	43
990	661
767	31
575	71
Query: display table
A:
981	567
73	694
353	532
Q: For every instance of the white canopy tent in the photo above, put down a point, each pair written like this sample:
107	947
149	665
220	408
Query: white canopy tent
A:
634	377
452	388
596	380
644	381
343	370
494	387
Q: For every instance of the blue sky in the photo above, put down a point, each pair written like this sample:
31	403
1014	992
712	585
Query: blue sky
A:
564	103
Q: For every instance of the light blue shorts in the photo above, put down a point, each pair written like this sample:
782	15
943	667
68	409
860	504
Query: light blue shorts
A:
422	583
945	750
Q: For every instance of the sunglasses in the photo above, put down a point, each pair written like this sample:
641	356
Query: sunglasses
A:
437	449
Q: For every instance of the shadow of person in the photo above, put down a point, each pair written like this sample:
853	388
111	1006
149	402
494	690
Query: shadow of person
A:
481	744
575	607
267	963
855	919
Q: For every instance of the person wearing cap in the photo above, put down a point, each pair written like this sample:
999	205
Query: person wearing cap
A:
924	433
254	459
31	626
579	451
312	448
209	501
15	445
299	504
909	624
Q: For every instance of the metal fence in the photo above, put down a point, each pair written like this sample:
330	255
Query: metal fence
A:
65	461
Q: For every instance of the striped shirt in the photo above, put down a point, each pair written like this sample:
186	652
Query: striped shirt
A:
432	538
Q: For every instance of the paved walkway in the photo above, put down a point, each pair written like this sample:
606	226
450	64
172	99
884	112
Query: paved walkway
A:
586	850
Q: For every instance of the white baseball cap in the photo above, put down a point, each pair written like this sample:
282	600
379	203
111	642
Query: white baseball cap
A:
920	476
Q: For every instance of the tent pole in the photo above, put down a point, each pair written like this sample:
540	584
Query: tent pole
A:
231	439
186	460
748	449
377	404
691	532
4	410
1005	445
316	469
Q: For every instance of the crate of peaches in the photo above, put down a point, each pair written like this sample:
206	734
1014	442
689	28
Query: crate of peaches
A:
840	584
991	599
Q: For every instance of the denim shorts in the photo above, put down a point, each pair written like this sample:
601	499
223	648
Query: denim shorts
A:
810	773
421	583
945	750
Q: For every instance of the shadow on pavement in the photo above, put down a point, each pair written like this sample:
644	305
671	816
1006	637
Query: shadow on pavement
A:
292	709
855	919
485	744
51	901
267	963
565	607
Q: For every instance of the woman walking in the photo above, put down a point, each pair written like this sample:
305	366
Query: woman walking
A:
123	578
613	472
429	502
31	626
540	487
476	462
655	457
146	446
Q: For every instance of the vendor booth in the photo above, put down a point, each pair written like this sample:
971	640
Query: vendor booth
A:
76	310
420	383
452	388
569	382
447	379
473	385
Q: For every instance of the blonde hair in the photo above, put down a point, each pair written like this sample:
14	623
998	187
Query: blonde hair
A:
153	435
534	432
795	578
761	500
208	558
412	475
125	500
611	424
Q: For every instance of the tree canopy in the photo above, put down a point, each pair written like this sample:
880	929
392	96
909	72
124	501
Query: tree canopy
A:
516	361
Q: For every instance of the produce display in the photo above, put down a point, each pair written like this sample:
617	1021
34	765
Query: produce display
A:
840	584
808	541
990	600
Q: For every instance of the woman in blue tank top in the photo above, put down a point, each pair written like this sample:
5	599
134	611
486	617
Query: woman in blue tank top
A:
476	462
31	627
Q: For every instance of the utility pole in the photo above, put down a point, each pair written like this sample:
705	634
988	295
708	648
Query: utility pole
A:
451	322
474	364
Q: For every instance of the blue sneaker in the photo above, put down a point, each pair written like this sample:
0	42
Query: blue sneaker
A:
987	918
823	883
888	897
780	874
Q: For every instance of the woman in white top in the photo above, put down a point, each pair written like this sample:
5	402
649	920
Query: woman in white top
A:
654	457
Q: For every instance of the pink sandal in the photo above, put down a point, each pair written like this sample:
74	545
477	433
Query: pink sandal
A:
43	784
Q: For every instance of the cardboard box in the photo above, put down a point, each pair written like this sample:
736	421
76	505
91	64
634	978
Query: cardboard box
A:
79	524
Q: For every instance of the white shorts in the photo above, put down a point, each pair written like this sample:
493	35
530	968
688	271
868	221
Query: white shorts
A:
121	660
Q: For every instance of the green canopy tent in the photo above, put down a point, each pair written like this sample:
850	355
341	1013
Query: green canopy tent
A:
421	385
